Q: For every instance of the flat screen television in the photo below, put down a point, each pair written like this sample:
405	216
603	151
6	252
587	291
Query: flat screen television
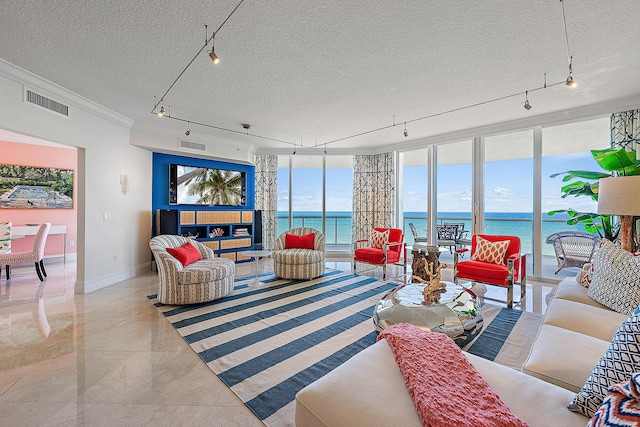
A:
193	185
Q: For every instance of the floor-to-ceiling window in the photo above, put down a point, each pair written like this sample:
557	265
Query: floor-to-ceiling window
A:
339	202
567	147
415	203
508	186
454	183
316	191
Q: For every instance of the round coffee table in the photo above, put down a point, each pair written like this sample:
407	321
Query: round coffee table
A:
456	314
256	255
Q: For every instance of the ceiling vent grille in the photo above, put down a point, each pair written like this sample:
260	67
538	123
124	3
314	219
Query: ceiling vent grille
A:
193	145
46	103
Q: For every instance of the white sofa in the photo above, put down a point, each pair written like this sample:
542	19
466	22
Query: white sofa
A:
369	390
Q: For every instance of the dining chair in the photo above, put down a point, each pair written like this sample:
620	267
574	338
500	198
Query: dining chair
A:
36	255
416	237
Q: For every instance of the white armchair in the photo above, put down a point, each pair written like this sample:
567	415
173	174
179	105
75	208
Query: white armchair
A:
204	280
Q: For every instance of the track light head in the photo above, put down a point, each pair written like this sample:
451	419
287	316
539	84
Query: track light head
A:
294	152
187	132
570	82
161	112
406	132
526	104
213	56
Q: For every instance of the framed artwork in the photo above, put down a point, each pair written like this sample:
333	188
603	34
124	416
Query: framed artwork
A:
35	187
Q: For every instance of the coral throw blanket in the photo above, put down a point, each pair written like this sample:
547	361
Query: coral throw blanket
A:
446	388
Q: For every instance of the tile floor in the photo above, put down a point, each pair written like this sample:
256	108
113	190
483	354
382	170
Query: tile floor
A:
109	358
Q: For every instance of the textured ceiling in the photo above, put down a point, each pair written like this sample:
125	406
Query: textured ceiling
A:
316	71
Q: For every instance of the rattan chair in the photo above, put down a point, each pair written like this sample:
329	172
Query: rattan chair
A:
573	248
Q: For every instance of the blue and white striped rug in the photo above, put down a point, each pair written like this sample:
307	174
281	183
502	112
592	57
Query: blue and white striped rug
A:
267	343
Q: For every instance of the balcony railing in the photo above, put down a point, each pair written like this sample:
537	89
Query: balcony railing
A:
338	227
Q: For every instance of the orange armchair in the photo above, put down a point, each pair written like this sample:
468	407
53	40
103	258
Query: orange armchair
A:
394	251
488	264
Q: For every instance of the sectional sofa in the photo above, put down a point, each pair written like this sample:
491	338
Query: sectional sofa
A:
369	389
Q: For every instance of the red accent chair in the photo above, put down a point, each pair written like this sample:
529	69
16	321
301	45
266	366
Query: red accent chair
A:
394	252
513	270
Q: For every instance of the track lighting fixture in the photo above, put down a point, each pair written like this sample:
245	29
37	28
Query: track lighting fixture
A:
526	104
161	111
406	132
570	82
212	54
188	131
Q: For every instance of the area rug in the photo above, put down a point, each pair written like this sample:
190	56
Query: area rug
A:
269	342
507	335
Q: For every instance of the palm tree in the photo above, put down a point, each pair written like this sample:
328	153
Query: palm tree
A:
216	186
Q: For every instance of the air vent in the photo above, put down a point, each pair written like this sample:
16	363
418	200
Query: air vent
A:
193	145
47	103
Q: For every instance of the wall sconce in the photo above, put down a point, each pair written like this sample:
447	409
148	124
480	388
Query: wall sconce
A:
124	182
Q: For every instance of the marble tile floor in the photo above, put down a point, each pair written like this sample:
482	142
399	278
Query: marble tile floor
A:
108	358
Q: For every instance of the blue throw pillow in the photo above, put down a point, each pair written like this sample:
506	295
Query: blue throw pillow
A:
621	359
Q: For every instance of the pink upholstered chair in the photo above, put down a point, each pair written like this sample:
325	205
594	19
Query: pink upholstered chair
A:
392	252
35	256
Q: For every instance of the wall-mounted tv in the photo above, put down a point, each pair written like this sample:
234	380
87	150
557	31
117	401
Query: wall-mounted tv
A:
193	185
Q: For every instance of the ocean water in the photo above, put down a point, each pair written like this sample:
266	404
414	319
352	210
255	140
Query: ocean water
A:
338	225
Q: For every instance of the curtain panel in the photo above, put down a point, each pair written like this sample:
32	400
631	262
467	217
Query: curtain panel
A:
266	194
374	193
625	131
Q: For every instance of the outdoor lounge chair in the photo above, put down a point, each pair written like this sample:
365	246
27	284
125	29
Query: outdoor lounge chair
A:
573	248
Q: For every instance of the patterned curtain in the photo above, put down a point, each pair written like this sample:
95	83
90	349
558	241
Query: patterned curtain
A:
267	197
374	193
625	131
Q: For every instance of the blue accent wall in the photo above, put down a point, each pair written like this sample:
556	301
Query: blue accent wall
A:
160	182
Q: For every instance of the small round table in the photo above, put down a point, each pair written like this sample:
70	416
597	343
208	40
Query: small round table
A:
256	255
455	314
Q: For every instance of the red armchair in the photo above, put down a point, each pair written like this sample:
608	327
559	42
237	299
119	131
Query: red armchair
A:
393	251
485	267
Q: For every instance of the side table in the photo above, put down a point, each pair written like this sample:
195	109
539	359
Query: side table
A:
256	255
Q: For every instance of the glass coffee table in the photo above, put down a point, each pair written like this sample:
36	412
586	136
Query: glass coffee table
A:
455	314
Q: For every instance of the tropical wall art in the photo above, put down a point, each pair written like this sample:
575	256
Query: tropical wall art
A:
29	187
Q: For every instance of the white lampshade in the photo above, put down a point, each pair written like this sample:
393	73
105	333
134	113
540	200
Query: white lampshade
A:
619	195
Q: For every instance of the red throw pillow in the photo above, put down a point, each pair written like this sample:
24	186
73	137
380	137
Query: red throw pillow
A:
293	241
186	254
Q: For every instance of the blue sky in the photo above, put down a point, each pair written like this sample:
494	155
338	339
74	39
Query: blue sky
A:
508	187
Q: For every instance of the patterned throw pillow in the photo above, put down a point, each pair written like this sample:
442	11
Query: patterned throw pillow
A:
492	252
621	406
379	238
621	359
616	278
584	277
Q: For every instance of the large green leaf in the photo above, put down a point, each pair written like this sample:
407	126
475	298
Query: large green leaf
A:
612	159
569	175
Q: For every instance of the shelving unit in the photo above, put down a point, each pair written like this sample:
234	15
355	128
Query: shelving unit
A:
227	233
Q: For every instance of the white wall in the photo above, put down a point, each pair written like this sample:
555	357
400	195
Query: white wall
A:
110	251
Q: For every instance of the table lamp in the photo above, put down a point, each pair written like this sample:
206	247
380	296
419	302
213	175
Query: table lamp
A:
621	196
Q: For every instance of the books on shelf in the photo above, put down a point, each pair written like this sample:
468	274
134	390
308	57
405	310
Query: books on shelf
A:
242	231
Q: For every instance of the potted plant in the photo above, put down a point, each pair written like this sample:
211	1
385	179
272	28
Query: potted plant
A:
616	162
